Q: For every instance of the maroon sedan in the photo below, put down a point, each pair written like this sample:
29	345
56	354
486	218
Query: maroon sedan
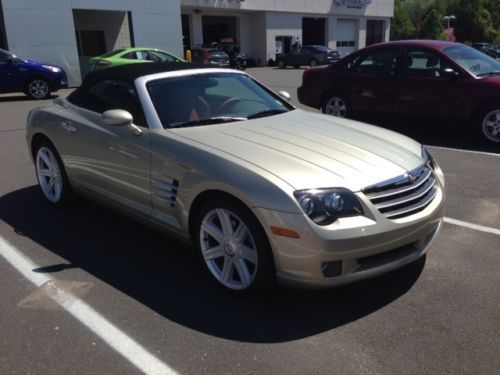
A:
413	78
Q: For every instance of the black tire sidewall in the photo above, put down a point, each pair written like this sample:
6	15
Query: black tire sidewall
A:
265	275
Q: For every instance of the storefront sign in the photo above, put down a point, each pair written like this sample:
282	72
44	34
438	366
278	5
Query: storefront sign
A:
353	2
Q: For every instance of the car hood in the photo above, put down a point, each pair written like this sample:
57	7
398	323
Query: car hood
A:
309	150
38	64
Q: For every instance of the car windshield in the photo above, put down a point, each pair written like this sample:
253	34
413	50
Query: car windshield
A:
212	98
474	61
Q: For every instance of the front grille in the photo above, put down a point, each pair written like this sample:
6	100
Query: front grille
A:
404	195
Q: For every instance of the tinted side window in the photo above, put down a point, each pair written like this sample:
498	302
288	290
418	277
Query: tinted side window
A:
376	63
130	56
421	63
112	94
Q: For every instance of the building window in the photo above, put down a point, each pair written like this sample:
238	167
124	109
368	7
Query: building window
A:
374	31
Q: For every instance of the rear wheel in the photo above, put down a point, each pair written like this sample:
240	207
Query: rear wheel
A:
336	105
489	123
233	246
38	88
50	173
281	64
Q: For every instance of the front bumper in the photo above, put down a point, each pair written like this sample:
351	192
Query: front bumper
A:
359	247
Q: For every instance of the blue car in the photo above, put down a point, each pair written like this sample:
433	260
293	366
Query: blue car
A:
35	79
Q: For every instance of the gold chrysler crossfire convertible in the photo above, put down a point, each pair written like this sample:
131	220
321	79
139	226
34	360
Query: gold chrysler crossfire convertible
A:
263	190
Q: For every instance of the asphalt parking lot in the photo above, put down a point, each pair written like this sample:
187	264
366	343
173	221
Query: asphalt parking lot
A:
130	299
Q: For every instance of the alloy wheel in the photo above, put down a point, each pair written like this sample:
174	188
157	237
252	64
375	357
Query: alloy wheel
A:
491	125
336	106
49	174
38	89
228	249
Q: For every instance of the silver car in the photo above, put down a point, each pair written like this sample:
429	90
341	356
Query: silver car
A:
263	190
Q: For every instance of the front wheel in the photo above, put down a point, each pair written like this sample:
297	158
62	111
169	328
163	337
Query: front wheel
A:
50	174
489	123
233	246
336	105
38	88
281	64
313	62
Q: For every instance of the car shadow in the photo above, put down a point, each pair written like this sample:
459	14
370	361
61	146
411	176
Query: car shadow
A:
167	276
432	132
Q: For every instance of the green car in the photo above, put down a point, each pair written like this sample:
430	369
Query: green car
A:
132	56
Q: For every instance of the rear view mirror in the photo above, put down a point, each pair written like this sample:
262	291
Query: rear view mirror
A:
285	95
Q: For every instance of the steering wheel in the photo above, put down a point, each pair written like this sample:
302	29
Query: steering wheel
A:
227	104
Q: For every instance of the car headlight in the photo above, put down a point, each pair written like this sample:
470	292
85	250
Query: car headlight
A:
429	160
324	206
53	69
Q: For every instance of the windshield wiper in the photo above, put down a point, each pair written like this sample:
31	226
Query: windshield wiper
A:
208	121
496	72
267	112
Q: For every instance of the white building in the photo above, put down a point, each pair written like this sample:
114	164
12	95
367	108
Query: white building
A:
68	32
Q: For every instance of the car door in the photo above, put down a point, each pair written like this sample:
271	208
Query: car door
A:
422	88
10	77
369	80
111	161
296	57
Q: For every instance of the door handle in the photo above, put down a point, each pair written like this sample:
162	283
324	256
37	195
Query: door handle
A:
66	125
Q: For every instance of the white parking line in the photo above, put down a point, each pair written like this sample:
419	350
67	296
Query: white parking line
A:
114	337
472	226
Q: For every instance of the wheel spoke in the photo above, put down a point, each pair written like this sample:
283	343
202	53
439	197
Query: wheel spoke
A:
242	270
248	253
51	185
213	253
213	231
43	172
225	220
240	233
45	158
227	270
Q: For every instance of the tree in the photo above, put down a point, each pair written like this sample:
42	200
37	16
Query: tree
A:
402	26
432	28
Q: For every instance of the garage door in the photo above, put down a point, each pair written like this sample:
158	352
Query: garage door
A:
346	36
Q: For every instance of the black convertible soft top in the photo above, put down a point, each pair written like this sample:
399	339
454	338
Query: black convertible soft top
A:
129	73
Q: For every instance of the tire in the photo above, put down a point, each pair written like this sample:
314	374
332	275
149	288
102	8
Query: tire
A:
313	62
233	246
38	88
336	105
488	123
50	174
281	64
296	66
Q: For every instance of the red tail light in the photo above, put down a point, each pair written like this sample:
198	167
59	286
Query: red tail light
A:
103	63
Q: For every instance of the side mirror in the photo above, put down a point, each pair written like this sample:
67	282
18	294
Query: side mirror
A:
117	117
120	117
449	73
285	95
